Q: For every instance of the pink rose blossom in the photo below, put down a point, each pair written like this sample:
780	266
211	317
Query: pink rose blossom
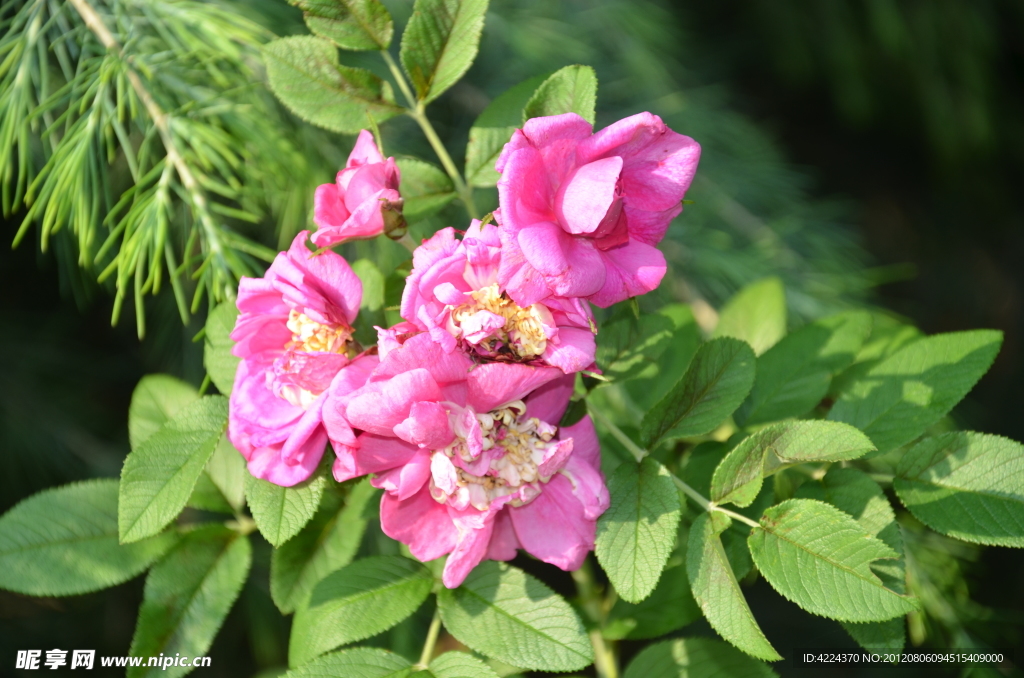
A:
471	458
453	293
582	213
362	201
293	335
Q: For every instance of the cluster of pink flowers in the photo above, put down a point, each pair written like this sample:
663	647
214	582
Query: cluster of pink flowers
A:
455	411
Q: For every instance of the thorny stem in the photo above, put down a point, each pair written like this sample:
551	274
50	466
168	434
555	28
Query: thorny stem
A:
640	453
417	112
605	662
430	642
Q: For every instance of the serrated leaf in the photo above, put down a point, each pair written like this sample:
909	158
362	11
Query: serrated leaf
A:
305	75
227	471
280	512
572	89
794	375
425	188
358	601
887	336
636	534
716	590
671	606
351	24
207	497
900	397
738	478
854	492
695	658
326	544
356	662
756	314
188	595
460	665
63	541
158	477
217	344
156	398
440	42
966	485
504	613
716	382
492	130
819	557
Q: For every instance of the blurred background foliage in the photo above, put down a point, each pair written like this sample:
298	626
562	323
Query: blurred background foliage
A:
869	152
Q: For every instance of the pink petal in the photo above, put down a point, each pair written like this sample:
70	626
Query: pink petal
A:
574	351
586	446
503	543
553	527
587	486
495	384
549	402
330	275
365	150
587	195
427	426
377	454
571	266
420	522
632	270
523	283
555	458
329	209
407	479
381	411
474	528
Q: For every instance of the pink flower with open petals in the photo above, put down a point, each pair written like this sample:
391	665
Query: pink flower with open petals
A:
453	293
471	458
293	335
582	213
363	201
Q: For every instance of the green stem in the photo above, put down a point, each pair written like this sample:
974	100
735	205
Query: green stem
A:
605	662
407	242
692	494
430	642
617	433
417	112
882	478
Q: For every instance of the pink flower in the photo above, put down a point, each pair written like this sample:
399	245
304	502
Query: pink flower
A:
363	202
293	335
453	293
582	212
471	458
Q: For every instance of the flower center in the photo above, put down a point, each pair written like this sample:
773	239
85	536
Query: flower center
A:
312	337
498	328
517	454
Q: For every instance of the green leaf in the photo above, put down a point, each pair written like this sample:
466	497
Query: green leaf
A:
425	188
188	595
887	336
158	477
966	485
358	601
460	665
305	75
207	497
227	471
356	662
156	398
716	382
819	557
327	543
280	512
695	658
648	382
716	590
854	492
669	607
371	308
572	89
636	534
217	344
756	314
493	129
440	42
794	375
738	478
63	541
900	397
504	613
351	24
